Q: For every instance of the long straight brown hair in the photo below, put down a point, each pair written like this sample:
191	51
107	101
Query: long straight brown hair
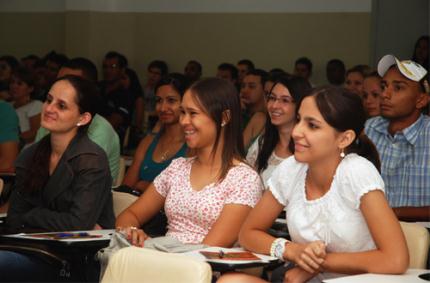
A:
216	97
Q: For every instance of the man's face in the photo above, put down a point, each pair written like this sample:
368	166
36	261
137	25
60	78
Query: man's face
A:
192	72
111	70
154	76
301	70
335	74
243	70
401	97
225	75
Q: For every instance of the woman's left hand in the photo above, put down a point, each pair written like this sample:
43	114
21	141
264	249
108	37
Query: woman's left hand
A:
135	236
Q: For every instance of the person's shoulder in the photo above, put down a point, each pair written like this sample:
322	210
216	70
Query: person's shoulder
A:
356	166
376	122
84	145
426	123
101	131
25	156
6	108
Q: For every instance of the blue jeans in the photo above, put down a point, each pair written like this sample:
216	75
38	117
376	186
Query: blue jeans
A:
19	267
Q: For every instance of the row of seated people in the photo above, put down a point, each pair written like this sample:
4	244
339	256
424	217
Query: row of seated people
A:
23	84
331	188
125	102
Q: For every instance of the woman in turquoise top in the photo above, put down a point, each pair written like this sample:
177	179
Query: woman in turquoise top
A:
149	169
155	152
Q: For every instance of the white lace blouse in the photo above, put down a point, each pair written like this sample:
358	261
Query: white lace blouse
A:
335	218
272	163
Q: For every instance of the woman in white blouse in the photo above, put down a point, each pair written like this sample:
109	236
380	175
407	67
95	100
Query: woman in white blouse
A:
337	214
28	110
275	144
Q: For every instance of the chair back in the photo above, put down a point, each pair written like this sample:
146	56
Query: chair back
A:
121	201
418	241
135	264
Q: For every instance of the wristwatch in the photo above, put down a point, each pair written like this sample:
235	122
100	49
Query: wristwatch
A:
277	248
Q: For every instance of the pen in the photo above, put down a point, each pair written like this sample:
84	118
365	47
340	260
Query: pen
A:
69	235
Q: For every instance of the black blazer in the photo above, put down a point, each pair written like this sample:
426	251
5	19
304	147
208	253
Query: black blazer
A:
76	196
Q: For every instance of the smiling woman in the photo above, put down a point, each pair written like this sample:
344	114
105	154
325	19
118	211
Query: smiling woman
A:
208	196
59	179
337	214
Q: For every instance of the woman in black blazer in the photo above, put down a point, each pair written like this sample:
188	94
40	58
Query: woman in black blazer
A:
63	182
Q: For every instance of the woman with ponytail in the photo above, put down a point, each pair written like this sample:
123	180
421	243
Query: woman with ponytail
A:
338	218
63	182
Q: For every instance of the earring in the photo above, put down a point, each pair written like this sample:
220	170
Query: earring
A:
342	154
223	124
78	124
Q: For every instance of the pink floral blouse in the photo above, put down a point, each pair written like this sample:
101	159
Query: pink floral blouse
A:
191	213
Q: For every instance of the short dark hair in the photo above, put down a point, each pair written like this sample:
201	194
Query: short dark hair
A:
122	60
260	73
24	75
10	60
161	65
57	58
304	61
216	97
196	63
248	63
229	67
89	70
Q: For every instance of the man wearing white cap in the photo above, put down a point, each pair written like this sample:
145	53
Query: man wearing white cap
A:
402	137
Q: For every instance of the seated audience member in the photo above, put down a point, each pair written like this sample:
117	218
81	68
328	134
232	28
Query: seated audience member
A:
275	144
7	65
244	66
252	97
118	101
335	72
372	95
156	152
9	137
28	110
228	72
131	82
53	63
157	70
99	130
206	197
193	71
63	182
421	52
354	80
402	135
30	61
338	218
303	68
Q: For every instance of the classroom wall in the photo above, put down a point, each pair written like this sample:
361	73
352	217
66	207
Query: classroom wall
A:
272	33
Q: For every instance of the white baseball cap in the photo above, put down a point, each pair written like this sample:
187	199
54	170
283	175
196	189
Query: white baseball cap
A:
408	68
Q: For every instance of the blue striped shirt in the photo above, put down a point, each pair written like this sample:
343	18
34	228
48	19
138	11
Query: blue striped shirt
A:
405	161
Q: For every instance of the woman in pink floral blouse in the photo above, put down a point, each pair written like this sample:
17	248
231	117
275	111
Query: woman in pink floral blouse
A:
206	197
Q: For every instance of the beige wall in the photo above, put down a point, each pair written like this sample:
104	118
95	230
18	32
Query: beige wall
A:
269	39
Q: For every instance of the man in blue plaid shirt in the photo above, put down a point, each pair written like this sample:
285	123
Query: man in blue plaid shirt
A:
402	137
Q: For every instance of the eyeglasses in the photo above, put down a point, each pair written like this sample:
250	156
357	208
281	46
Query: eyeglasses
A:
112	66
283	100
